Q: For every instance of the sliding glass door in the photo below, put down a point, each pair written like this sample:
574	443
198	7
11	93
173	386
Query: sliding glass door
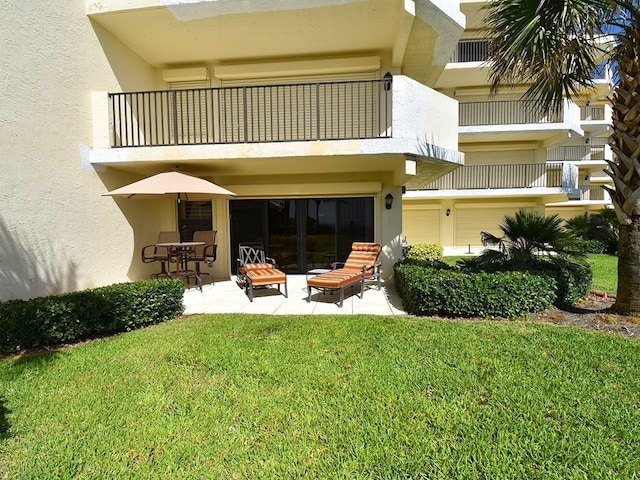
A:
301	234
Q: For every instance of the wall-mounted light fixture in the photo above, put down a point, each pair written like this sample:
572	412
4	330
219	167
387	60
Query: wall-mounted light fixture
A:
448	212
388	79
388	201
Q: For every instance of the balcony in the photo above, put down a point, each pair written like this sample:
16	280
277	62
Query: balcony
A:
592	193
253	114
472	50
516	120
475	177
579	153
381	125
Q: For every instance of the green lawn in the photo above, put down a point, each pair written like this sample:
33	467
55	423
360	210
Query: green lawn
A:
238	396
605	273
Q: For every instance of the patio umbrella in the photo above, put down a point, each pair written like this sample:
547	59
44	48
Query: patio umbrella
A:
175	185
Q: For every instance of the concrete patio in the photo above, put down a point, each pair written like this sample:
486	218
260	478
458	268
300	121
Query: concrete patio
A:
227	296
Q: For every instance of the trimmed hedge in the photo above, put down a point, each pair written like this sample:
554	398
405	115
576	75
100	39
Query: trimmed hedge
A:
446	291
70	317
423	252
574	279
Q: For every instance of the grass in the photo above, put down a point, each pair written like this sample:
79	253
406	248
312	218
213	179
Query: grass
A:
239	396
604	267
605	273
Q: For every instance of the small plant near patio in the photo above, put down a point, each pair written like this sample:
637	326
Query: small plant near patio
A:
70	317
440	289
423	252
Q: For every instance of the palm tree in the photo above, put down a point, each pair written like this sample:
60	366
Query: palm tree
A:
528	239
554	46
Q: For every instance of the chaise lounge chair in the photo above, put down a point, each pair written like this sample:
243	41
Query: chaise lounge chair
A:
255	269
362	264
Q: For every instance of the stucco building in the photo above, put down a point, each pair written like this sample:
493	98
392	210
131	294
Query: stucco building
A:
312	111
515	156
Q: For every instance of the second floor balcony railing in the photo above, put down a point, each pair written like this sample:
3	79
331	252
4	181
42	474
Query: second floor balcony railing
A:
471	50
505	112
267	113
528	175
574	153
592	192
592	113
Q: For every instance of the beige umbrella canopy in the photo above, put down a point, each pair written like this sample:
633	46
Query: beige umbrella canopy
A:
175	185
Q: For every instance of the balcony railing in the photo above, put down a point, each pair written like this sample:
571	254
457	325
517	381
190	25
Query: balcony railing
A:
574	153
505	112
529	175
592	112
476	50
267	113
592	192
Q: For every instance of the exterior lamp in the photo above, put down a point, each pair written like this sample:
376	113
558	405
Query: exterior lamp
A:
388	78
448	212
388	201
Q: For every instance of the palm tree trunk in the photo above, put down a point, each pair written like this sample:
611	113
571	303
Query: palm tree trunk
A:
628	297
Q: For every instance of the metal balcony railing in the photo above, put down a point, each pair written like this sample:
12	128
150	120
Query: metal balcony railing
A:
592	192
473	177
267	113
574	153
505	112
592	112
472	50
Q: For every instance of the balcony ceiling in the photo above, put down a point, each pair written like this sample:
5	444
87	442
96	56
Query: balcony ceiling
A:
230	31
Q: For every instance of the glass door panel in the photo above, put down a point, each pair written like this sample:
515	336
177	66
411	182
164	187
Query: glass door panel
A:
283	238
354	224
321	233
301	234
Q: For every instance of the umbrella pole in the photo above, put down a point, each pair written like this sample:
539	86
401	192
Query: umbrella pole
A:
178	220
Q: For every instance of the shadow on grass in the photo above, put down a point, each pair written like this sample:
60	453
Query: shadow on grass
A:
5	426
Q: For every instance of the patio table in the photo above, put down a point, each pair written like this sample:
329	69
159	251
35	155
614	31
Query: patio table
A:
181	252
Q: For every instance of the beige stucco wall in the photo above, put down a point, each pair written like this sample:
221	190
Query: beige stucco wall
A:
56	232
426	221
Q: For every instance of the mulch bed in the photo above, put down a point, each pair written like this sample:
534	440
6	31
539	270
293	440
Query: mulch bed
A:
593	313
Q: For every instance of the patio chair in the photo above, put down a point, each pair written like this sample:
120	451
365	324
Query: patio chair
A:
255	269
153	253
361	265
204	253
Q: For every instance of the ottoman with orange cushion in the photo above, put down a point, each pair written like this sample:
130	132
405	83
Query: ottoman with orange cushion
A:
263	274
362	264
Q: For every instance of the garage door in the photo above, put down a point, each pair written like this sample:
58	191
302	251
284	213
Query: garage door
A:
421	226
471	221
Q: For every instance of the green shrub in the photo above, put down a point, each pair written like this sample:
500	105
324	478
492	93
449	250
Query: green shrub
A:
423	252
436	290
591	246
72	316
574	279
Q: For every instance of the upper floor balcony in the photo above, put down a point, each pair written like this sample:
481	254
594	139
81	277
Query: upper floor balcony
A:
252	114
389	124
580	153
516	120
526	175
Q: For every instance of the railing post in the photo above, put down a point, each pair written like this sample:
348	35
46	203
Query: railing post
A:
317	111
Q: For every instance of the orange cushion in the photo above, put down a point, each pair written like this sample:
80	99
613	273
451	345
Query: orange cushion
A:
255	266
335	278
363	254
266	276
